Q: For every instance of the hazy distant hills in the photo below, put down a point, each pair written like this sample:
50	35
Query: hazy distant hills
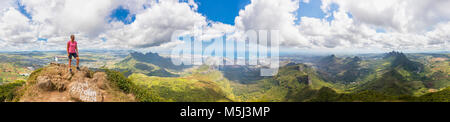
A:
385	76
150	64
156	59
241	74
342	70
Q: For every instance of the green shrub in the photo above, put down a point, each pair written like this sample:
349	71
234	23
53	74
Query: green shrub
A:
440	96
34	75
328	95
9	91
125	84
119	80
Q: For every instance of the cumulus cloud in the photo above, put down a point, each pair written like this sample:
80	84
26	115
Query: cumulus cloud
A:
272	15
50	23
89	20
62	17
408	24
397	15
17	31
156	24
440	36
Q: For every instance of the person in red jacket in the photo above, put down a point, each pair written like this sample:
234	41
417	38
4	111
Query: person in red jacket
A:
72	51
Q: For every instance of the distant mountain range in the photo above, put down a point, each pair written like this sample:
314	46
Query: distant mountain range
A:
392	76
342	70
151	64
156	59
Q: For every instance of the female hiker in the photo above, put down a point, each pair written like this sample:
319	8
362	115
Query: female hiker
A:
72	51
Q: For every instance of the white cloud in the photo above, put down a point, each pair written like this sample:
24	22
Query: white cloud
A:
6	4
272	15
305	1
156	24
404	22
63	17
397	15
55	20
409	24
16	29
440	36
341	32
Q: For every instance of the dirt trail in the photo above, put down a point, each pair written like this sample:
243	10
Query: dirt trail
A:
55	83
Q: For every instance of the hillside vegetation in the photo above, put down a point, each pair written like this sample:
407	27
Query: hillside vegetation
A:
392	77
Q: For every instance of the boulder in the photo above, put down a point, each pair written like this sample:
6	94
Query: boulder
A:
85	92
44	83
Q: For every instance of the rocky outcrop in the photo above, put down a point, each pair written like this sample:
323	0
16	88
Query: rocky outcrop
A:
304	79
55	83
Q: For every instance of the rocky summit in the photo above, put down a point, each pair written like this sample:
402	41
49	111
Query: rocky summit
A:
54	83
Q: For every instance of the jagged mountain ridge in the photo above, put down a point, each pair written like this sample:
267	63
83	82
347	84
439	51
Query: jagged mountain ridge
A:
399	60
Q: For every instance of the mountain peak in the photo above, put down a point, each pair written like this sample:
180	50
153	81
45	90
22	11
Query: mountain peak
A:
148	54
356	58
329	59
395	54
399	60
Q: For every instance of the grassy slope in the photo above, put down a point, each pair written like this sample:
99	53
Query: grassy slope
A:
180	89
192	88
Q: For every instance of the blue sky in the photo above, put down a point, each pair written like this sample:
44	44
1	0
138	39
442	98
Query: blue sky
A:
225	11
221	10
311	9
22	10
123	15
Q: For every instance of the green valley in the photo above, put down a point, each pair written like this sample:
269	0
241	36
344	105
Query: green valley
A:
150	77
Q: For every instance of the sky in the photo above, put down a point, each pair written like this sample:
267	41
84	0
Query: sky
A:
304	25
